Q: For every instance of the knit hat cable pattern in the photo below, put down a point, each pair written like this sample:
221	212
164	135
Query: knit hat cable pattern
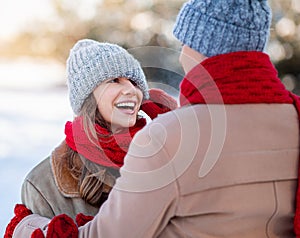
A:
214	27
91	62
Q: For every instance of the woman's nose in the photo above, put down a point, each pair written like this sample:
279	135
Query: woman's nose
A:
128	87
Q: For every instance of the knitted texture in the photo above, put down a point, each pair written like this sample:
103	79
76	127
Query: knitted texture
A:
159	102
247	77
82	219
38	233
61	226
214	27
91	62
109	150
20	212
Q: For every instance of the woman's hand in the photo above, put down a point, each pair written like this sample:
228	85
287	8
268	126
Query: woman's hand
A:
158	103
61	226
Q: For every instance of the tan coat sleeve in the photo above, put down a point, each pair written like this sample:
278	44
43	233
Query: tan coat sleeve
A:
140	204
35	201
28	225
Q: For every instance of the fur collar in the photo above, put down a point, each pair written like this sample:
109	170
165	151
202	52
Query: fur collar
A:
65	183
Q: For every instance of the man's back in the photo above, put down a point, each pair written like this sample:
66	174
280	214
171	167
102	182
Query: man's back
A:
250	190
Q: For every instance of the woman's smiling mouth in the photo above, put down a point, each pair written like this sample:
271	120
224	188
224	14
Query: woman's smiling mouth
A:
127	107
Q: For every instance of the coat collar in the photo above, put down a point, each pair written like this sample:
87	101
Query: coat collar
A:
65	182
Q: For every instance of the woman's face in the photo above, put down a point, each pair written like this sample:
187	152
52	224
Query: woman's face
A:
118	102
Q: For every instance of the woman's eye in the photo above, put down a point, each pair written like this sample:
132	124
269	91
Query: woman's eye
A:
115	80
132	82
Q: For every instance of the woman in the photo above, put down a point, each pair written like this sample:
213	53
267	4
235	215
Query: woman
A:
106	90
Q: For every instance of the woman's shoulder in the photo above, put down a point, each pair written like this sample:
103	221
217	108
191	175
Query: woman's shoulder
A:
42	169
41	177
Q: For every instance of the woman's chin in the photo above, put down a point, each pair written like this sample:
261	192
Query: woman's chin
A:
124	125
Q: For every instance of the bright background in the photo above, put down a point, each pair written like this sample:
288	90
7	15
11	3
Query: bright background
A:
35	38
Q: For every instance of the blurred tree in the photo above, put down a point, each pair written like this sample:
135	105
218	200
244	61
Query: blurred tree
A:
134	23
284	46
130	23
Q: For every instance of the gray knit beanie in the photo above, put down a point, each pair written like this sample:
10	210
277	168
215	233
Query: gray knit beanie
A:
91	62
214	27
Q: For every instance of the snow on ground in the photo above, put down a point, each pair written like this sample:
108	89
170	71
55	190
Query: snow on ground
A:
33	111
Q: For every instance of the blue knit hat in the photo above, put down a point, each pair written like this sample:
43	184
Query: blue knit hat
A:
91	62
214	27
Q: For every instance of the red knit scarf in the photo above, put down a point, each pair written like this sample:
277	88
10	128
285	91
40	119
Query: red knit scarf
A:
235	78
238	78
109	150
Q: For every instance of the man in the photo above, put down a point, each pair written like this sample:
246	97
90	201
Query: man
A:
224	164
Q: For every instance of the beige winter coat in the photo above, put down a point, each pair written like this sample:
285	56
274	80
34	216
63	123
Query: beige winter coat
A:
186	176
50	190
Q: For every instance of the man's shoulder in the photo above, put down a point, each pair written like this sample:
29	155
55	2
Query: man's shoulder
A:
177	114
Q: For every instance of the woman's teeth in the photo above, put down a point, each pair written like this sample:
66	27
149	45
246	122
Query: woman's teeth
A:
126	105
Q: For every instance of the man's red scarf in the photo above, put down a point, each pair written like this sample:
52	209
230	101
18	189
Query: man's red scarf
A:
109	150
235	78
238	78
